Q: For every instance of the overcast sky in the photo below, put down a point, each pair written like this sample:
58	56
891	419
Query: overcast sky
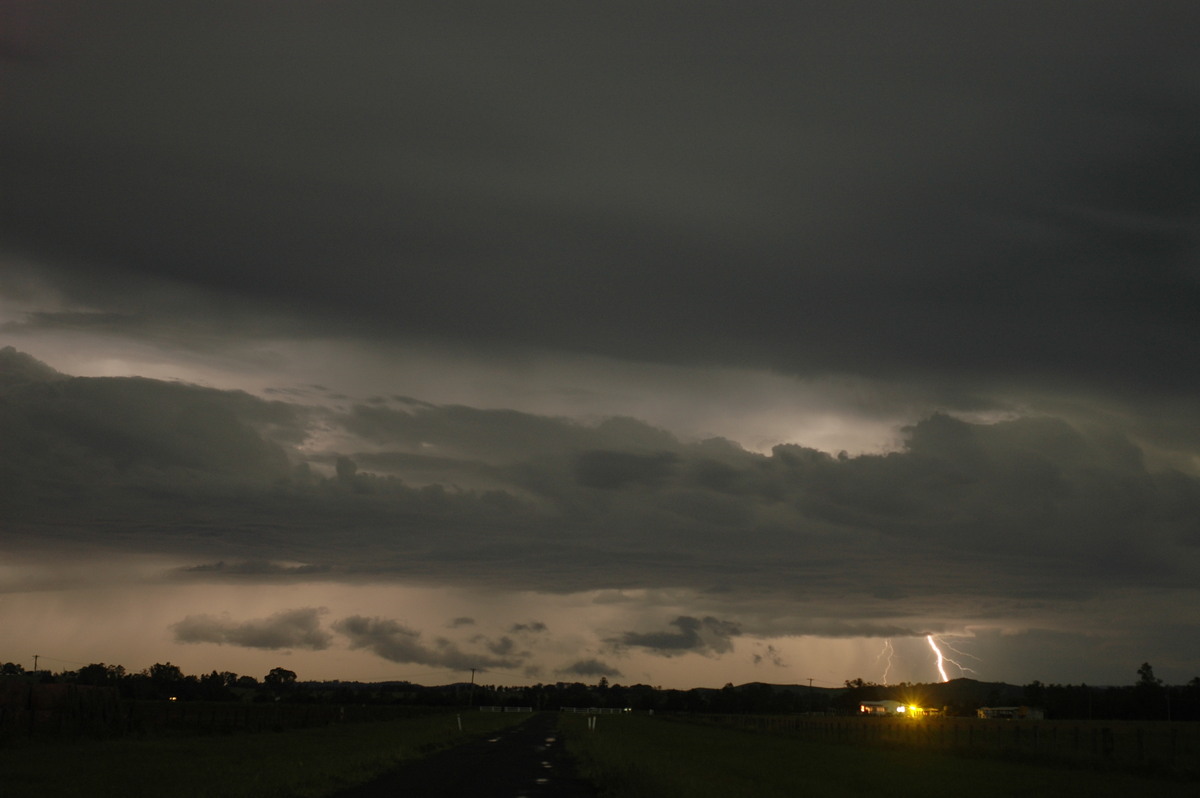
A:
676	343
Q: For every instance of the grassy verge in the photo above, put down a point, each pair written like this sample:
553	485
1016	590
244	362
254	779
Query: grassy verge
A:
302	763
636	756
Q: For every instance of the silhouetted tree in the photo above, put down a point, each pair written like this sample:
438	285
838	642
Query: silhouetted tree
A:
100	675
280	677
1149	694
214	688
165	672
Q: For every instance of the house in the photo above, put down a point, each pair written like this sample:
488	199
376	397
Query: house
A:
883	708
896	709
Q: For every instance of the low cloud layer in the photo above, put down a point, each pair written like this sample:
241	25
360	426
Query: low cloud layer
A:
291	629
1044	506
590	669
706	635
392	641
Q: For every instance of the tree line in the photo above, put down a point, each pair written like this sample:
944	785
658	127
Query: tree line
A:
1148	698
166	681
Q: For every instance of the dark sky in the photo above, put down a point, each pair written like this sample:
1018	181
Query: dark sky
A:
696	342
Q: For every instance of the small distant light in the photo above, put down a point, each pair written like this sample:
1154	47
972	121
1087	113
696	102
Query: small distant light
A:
172	698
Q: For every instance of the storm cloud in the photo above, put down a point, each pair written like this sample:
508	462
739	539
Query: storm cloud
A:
1024	497
714	329
710	165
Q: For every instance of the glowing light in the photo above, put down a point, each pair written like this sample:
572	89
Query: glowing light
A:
940	658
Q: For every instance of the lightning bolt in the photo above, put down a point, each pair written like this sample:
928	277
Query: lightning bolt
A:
960	666
889	652
942	659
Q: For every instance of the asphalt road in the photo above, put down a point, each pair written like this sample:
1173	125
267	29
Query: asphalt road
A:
526	761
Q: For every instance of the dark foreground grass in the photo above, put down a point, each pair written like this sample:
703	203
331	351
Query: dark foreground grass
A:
635	756
302	763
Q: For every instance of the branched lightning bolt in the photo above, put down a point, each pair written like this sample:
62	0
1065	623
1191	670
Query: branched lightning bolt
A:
958	665
889	652
942	659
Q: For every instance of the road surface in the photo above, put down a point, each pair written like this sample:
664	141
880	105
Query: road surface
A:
525	761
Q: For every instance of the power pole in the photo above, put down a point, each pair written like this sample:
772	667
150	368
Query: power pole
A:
811	704
471	697
35	659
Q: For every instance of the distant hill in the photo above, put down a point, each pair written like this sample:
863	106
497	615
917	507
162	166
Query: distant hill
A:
800	689
970	691
937	694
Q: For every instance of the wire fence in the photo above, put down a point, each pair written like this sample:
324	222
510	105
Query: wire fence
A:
1128	745
29	711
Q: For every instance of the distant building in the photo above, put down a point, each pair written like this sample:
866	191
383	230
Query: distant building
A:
1011	713
896	709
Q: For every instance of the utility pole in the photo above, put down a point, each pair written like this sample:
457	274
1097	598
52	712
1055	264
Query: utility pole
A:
471	697
35	659
812	707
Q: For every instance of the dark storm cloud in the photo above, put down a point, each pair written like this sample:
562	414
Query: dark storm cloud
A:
76	439
494	435
590	668
974	192
534	627
299	628
839	627
253	569
612	470
392	641
1045	507
19	370
706	635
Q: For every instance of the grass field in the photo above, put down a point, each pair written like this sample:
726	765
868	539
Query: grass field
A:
635	756
302	763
